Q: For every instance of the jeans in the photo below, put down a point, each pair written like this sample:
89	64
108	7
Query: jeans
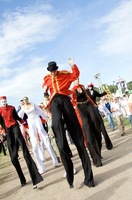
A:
111	121
130	119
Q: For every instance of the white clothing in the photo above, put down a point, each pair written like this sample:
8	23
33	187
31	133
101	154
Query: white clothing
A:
130	104
102	108
130	99
35	126
125	107
117	108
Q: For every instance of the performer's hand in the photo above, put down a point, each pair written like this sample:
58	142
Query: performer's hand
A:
71	62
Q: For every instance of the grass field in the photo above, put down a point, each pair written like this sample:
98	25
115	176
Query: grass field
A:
126	122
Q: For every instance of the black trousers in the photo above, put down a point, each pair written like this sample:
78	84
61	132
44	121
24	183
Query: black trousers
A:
14	137
107	140
91	127
2	148
63	111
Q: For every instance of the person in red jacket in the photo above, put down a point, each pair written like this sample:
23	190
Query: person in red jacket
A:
9	120
58	84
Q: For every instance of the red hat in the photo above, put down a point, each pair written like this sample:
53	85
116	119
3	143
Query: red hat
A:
2	97
91	84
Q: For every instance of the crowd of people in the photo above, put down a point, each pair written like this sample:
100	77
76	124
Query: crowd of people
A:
116	109
64	109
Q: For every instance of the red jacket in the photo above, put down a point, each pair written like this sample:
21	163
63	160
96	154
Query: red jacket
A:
9	115
60	83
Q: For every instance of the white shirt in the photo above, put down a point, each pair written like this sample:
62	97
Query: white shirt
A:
33	112
117	108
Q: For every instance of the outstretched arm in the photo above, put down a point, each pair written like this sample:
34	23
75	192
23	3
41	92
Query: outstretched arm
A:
75	70
100	94
16	117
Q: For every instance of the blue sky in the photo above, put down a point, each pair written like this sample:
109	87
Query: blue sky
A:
96	33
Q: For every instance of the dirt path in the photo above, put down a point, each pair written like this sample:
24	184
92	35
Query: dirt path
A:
113	180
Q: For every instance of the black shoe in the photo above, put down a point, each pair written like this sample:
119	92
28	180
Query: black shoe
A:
90	184
71	186
109	147
23	184
97	164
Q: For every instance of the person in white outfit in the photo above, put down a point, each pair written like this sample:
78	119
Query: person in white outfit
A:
36	129
116	109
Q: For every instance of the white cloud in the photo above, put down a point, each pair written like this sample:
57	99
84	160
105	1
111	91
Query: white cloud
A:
25	28
27	81
21	31
27	35
117	30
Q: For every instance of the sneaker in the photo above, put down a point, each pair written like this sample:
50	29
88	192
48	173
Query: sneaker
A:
71	186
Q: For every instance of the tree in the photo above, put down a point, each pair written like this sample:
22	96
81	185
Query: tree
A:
129	85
